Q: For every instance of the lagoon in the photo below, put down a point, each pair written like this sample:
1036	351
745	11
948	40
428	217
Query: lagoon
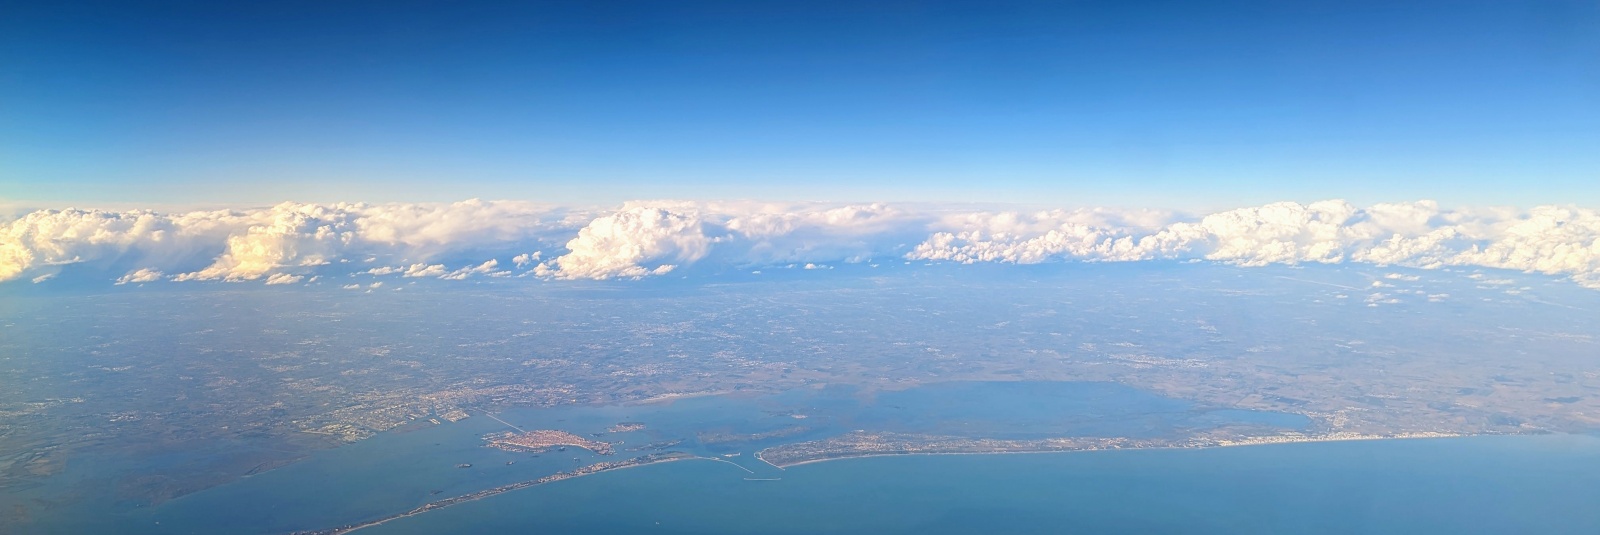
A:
1490	484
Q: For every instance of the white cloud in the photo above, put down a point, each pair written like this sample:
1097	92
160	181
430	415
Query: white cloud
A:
633	242
139	276
440	271
526	259
237	245
1550	240
284	278
295	235
486	268
424	270
54	237
657	237
641	239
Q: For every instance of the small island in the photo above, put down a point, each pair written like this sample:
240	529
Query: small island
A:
625	427
542	440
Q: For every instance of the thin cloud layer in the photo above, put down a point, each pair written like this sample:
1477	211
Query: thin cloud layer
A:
295	243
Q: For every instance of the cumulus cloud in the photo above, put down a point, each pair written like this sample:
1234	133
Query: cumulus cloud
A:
654	238
292	238
140	275
486	268
1550	240
439	271
633	242
294	242
55	237
295	236
526	259
424	270
284	278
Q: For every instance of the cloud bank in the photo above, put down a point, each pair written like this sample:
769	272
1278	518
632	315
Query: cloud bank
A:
272	244
294	243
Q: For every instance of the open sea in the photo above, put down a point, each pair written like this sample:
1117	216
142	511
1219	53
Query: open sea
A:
1504	485
1493	484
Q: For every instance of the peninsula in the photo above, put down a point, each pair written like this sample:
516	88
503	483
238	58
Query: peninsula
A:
873	444
436	505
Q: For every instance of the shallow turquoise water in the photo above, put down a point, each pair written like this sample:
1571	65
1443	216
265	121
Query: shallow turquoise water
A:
1531	484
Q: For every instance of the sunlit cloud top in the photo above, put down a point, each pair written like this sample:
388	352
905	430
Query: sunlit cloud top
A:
296	242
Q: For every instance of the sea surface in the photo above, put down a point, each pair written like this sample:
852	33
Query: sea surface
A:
1521	484
1501	485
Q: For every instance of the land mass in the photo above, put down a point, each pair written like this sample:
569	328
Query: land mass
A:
872	444
270	378
540	440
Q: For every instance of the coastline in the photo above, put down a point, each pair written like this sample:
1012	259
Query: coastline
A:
679	456
854	473
496	491
664	398
1261	441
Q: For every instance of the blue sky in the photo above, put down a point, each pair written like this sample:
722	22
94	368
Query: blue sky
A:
1174	104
